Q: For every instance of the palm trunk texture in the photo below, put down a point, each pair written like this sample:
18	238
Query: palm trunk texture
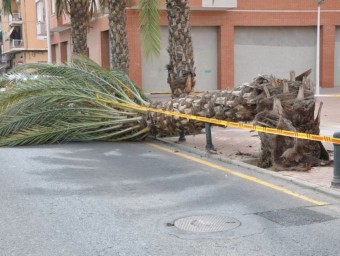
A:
118	35
181	70
79	23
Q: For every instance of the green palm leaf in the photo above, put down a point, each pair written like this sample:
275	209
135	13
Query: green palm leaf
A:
149	23
7	6
57	103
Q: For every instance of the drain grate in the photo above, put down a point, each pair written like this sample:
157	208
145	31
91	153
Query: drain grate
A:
295	217
206	223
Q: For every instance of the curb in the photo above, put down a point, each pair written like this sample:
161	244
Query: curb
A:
305	184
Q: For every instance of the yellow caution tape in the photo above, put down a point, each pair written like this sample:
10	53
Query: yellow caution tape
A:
328	95
287	133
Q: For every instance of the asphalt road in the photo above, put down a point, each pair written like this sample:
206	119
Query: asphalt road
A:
141	199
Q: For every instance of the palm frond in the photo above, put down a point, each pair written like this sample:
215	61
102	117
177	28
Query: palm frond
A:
149	22
57	103
7	6
62	6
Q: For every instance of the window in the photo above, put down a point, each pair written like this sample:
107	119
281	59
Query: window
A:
40	11
53	6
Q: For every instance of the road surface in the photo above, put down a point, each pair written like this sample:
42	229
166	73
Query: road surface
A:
149	199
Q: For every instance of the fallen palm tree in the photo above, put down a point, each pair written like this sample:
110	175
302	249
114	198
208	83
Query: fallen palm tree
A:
57	103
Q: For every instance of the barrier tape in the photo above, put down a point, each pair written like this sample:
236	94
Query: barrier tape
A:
287	133
328	95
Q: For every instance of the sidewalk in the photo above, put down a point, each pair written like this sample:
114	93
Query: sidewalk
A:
243	147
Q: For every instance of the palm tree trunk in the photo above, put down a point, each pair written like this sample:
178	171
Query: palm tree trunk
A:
79	22
62	106
118	35
271	102
181	70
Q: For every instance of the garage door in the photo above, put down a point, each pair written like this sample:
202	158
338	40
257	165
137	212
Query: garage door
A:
336	58
273	50
154	73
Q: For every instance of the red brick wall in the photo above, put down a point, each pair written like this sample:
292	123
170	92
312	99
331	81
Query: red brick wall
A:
63	52
54	53
134	40
248	13
286	4
327	54
251	13
105	49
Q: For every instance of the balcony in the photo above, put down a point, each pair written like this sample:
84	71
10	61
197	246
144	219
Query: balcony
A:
202	5
219	3
41	29
213	4
16	44
15	19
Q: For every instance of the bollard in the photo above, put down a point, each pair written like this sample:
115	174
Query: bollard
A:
336	177
209	145
182	136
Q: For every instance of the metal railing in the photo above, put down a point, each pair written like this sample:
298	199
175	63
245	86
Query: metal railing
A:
16	43
15	16
219	3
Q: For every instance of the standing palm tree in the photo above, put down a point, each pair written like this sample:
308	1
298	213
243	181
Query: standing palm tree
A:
181	74
80	11
181	69
118	35
118	32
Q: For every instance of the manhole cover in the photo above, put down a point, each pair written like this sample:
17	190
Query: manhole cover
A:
206	223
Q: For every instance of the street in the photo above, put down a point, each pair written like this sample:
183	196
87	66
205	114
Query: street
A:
149	199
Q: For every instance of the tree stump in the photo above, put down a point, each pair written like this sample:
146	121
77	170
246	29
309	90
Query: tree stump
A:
291	110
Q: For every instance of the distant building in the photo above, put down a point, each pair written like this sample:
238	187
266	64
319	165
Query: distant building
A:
24	34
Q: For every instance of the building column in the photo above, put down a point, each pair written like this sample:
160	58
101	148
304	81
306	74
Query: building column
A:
327	56
227	57
135	49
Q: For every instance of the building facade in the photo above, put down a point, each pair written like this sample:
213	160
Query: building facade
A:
234	41
24	34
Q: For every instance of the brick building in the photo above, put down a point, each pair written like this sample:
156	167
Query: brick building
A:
234	40
24	34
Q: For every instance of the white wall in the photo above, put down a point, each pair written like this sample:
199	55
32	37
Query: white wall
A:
154	73
273	50
337	58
